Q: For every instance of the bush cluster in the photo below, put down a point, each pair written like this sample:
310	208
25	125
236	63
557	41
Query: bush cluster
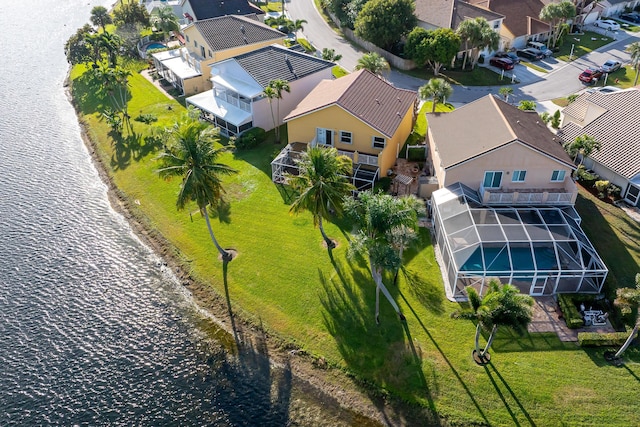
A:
592	180
604	339
572	316
146	118
250	138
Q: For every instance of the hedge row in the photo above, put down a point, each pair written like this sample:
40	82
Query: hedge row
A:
571	315
595	339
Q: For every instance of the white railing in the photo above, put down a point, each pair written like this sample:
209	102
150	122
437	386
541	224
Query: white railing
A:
527	198
367	159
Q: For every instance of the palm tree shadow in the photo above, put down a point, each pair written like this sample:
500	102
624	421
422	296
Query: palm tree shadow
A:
222	212
488	369
249	379
131	147
348	317
428	293
448	362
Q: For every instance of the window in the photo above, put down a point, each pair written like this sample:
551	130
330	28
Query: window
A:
324	136
378	142
496	25
557	176
210	55
492	179
195	43
202	51
345	137
187	39
518	176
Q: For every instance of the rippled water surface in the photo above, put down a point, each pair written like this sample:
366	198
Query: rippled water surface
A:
92	330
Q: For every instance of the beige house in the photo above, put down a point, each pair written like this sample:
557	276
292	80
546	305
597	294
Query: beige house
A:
208	41
612	119
361	115
509	156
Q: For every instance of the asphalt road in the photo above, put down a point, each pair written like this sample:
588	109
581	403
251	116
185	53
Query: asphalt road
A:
562	81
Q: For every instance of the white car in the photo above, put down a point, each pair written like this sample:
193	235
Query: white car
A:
611	65
607	24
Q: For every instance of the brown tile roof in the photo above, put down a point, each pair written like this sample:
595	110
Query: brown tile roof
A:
231	31
450	13
617	130
487	124
521	16
367	97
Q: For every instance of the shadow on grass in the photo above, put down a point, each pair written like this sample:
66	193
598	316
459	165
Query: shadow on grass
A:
134	147
385	353
488	369
507	341
448	362
261	155
427	292
250	390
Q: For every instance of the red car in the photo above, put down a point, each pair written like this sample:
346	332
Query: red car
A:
590	76
502	63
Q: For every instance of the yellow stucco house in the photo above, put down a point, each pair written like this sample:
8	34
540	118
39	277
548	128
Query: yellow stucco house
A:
361	115
208	41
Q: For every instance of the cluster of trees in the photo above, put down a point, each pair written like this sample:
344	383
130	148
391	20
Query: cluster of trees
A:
557	14
286	25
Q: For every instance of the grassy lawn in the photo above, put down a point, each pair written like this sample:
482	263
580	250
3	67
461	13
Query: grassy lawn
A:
623	78
419	132
582	44
284	280
628	26
534	67
560	102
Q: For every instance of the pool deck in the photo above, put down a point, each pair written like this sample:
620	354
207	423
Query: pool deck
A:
546	318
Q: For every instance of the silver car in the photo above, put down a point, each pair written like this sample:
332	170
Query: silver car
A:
611	65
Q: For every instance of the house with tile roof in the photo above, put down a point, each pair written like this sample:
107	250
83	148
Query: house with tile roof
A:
361	115
612	119
209	41
507	155
237	103
433	14
504	208
198	10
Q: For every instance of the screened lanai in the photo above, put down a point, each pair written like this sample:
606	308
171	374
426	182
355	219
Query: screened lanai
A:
539	249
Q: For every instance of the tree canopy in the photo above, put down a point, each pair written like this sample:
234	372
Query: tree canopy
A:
385	22
131	13
634	51
477	34
432	47
438	90
556	14
100	17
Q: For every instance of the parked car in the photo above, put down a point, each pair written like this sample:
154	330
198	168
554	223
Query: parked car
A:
590	75
607	24
610	66
631	17
502	63
541	47
530	54
605	89
509	55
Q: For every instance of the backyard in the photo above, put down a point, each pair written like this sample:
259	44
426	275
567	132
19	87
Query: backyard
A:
285	281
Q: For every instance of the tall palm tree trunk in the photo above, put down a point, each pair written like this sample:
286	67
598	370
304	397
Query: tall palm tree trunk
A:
326	238
377	278
477	339
226	256
489	341
627	343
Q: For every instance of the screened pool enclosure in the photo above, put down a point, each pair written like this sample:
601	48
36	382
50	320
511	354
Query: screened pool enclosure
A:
539	249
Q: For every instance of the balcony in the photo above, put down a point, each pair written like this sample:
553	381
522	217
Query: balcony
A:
530	196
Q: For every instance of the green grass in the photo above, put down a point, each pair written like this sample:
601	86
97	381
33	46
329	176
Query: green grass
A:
632	28
561	102
419	131
582	44
534	67
285	281
623	78
338	72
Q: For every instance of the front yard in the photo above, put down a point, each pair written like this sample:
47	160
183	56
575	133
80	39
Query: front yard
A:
582	44
285	281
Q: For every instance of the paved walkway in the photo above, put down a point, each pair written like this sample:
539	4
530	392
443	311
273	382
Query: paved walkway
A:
546	318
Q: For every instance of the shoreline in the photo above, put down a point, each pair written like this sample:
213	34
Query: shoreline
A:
330	385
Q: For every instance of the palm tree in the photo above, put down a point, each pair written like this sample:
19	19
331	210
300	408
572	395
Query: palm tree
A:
438	90
634	51
628	299
111	44
556	14
298	25
506	91
274	90
115	83
165	21
501	306
373	62
321	184
330	55
468	30
190	154
583	145
485	38
377	216
100	17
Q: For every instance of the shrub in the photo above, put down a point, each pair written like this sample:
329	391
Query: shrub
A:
601	187
250	138
555	120
572	316
306	45
572	97
416	154
595	339
146	118
545	117
527	105
383	184
614	191
585	177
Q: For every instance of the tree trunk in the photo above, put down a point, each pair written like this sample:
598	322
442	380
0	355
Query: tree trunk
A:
326	238
377	278
226	256
489	341
635	81
477	339
433	107
464	59
628	341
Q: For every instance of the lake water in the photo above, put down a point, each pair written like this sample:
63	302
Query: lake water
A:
93	329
